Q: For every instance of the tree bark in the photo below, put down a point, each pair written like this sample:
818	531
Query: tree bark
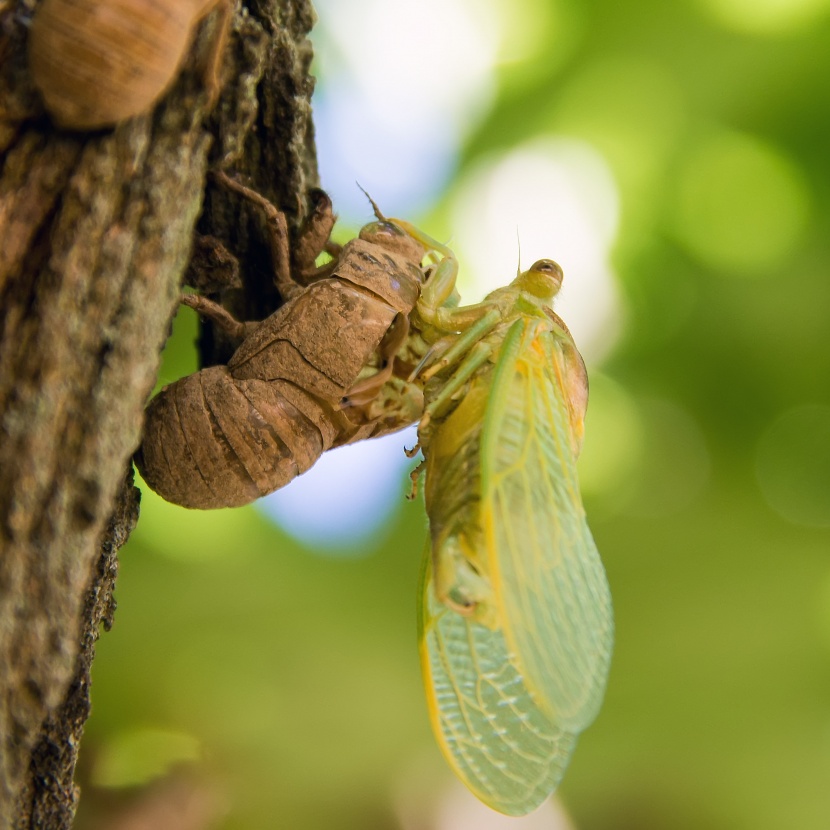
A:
95	234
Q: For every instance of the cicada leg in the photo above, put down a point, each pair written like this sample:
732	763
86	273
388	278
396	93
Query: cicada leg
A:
313	237
477	357
218	315
367	389
463	342
440	286
415	475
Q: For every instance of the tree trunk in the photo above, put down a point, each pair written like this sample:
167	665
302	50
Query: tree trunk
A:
95	234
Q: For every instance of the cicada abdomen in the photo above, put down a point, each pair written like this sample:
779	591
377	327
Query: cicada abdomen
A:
214	441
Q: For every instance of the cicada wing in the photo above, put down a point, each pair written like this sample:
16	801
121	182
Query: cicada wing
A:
492	733
548	581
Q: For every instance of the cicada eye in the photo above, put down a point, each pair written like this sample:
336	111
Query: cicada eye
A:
548	266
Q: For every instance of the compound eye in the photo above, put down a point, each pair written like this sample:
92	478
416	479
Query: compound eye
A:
547	266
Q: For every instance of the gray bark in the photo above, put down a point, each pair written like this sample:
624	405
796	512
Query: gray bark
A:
96	231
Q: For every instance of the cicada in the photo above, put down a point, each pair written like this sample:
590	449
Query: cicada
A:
515	620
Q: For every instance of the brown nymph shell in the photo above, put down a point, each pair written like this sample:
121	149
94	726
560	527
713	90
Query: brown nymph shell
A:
98	62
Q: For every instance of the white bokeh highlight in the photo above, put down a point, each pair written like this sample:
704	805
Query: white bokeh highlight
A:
338	506
559	196
387	113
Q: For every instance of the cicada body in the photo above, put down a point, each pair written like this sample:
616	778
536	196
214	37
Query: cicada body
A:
515	625
99	62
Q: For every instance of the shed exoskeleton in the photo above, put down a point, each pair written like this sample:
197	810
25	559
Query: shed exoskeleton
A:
316	374
98	62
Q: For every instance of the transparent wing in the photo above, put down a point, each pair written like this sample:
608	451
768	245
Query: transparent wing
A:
549	583
494	736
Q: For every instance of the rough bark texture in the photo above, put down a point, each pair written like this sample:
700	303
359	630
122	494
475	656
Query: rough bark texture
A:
95	234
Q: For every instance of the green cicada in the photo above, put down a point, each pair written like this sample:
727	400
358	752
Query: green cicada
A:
515	620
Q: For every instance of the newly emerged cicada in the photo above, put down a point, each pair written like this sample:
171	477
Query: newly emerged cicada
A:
515	621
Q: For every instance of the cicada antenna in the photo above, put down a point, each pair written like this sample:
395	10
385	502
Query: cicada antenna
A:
519	245
380	217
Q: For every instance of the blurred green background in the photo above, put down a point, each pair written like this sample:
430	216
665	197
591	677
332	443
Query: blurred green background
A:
256	681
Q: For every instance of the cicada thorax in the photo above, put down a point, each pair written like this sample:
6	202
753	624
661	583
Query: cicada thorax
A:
321	340
569	368
228	435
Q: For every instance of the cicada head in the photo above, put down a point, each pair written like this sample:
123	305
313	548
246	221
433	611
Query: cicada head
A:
543	279
388	235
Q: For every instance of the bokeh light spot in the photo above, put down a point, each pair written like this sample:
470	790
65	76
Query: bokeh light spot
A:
614	444
386	112
558	196
766	17
347	496
633	111
741	205
793	465
138	756
674	464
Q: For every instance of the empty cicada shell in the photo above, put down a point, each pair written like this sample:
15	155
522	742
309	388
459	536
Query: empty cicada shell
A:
226	435
98	62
